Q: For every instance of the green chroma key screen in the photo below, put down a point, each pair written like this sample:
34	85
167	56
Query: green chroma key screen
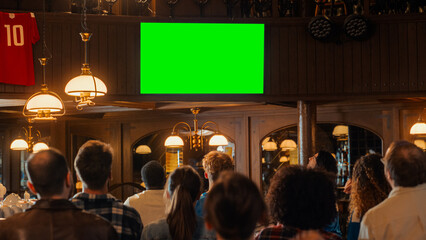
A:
201	58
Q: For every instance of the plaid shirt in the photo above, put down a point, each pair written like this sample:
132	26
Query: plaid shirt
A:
278	232
125	220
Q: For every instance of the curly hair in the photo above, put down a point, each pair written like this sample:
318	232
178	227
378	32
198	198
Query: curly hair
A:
302	198
369	185
215	162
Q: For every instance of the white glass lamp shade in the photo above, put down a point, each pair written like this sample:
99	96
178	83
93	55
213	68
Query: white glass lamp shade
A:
270	146
340	130
173	142
284	159
40	146
44	101
418	128
420	143
218	140
19	144
84	84
143	149
288	144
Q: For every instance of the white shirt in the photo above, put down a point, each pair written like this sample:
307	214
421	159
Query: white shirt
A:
149	205
401	216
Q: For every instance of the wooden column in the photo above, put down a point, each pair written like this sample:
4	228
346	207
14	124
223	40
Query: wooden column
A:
306	130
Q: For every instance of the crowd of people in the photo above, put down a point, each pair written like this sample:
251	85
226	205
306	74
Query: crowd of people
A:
387	200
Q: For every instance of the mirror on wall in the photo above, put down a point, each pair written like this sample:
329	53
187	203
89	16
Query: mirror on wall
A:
347	143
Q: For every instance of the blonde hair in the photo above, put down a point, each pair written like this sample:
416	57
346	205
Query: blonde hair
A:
215	162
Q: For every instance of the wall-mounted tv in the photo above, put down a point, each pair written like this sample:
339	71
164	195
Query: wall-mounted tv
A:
201	58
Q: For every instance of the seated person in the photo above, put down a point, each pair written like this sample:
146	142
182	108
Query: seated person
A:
214	163
149	203
183	188
53	216
233	207
300	199
369	188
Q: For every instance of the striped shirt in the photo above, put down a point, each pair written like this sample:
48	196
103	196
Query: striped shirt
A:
125	220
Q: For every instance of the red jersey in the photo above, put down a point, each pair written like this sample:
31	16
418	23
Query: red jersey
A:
18	32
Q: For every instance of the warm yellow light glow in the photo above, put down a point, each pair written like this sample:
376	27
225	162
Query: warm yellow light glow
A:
420	143
40	146
44	102
173	142
84	84
284	159
288	144
218	140
19	144
270	146
143	149
418	128
340	130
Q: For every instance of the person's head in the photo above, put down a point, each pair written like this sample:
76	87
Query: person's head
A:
215	162
302	198
405	164
93	164
48	174
234	206
369	185
183	188
323	160
153	175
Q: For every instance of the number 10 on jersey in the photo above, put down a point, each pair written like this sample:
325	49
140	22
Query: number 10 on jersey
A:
17	34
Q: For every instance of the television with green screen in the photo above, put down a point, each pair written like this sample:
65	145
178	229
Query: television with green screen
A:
201	58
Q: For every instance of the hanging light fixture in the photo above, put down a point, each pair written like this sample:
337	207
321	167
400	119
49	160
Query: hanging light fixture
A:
143	149
419	127
43	105
85	87
288	144
196	140
269	144
28	143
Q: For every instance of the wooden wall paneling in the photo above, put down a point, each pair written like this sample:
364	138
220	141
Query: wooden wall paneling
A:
366	66
103	55
94	50
65	58
421	57
133	59
122	60
77	51
412	56
275	82
292	60
375	60
329	67
55	48
127	157
393	57
283	61
338	68
356	67
302	61
268	63
310	65
403	57
320	67
111	79
347	67
384	58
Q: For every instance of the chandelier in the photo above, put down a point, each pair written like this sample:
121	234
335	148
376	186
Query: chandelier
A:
85	87
196	136
419	128
31	143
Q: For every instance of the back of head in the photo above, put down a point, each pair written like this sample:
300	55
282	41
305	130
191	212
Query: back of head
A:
184	186
47	171
153	175
93	163
369	185
302	198
234	206
326	161
215	162
406	164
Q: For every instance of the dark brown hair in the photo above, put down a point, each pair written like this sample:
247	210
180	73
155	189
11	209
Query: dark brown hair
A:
184	186
302	198
369	185
406	164
93	163
215	162
47	171
233	206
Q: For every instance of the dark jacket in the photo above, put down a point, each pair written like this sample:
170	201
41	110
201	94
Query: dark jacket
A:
55	219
